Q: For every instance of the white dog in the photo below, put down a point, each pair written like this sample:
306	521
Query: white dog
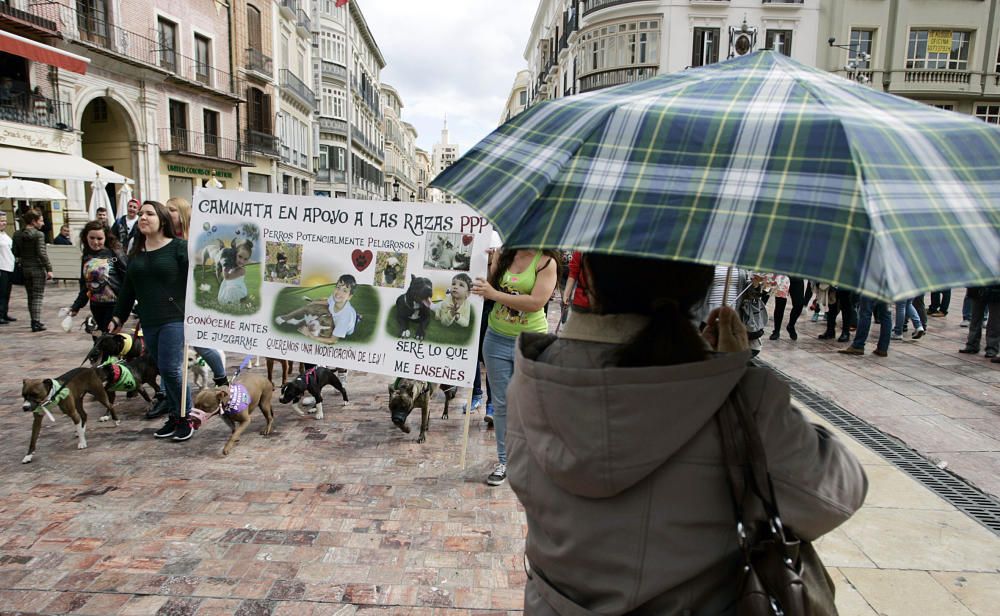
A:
201	373
442	253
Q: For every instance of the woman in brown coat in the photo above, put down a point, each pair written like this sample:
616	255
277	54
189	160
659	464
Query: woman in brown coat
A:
617	459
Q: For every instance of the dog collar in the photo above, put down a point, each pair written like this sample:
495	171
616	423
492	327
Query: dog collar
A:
310	372
239	399
56	395
128	344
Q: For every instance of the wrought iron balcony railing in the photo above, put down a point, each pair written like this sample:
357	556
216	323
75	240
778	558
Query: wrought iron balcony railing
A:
615	77
595	5
290	83
25	108
331	69
259	62
37	15
188	142
333	125
261	142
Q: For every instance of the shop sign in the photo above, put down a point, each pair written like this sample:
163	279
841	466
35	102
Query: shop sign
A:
939	41
199	171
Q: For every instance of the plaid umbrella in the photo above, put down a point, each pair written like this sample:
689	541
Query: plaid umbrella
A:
759	162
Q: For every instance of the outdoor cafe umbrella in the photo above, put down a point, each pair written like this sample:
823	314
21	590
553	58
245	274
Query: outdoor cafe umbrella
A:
99	198
759	162
124	196
13	188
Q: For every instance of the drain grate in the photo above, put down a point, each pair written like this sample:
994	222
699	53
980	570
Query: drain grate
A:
978	505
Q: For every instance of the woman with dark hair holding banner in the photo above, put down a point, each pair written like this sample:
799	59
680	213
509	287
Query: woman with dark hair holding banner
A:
157	278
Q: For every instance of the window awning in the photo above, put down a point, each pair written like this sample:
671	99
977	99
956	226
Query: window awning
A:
51	166
40	52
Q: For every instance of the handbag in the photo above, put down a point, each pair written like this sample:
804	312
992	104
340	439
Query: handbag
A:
17	276
782	575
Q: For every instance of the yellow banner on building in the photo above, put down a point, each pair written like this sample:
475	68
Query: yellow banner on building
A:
939	41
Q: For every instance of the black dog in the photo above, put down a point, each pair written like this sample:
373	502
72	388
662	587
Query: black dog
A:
406	395
450	391
123	346
312	381
128	377
413	308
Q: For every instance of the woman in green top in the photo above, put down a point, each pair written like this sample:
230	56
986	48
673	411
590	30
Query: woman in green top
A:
157	278
521	283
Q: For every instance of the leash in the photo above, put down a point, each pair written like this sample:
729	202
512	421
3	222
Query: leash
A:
243	364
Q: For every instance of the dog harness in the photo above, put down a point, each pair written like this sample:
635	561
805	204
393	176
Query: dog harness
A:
122	378
56	395
127	346
239	400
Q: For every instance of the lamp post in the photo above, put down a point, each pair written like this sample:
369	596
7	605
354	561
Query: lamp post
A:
855	65
395	189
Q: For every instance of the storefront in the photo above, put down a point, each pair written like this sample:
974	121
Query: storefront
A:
178	179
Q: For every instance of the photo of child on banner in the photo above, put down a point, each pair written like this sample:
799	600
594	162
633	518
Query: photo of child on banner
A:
227	268
326	320
283	263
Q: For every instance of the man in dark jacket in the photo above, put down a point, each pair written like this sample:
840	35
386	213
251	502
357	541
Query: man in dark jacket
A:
63	239
125	228
29	248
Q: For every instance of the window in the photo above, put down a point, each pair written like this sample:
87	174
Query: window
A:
706	46
339	104
938	49
91	19
633	43
326	102
779	40
100	110
211	122
522	97
168	44
258	111
988	113
178	125
861	43
202	59
945	106
254	36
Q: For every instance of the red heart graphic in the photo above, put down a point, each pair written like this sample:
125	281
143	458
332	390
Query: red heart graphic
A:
361	258
467	239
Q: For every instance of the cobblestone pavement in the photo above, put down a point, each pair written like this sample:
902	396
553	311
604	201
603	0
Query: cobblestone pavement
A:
348	515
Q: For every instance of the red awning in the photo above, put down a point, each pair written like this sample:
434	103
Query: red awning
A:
39	52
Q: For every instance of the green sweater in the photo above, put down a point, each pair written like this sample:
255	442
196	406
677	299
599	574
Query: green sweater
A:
158	280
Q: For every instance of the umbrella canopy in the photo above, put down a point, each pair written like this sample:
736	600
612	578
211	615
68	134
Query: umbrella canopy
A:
99	198
759	162
12	188
124	196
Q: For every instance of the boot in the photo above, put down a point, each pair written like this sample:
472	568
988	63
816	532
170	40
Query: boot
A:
37	326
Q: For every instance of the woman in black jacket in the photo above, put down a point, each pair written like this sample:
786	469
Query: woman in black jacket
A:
102	270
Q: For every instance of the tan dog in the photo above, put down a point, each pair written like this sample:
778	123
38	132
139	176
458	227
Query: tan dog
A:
236	402
67	392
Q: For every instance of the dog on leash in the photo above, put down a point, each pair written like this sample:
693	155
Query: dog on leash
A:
120	345
66	392
450	391
406	395
201	372
128	377
312	381
235	403
413	308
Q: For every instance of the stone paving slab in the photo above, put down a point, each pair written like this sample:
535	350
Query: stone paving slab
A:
349	516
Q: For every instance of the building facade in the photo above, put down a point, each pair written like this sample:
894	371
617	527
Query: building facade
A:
365	109
517	100
330	74
253	55
296	100
443	155
945	54
400	175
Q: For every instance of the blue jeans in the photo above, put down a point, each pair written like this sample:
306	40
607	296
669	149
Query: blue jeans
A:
904	311
865	310
498	352
165	344
214	361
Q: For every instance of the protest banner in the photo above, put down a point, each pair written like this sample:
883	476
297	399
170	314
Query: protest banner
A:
376	286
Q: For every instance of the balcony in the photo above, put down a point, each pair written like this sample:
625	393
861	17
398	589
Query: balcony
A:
200	145
616	77
38	19
25	108
261	143
358	137
303	23
295	86
332	125
260	64
331	176
938	76
940	81
288	8
148	52
596	5
330	69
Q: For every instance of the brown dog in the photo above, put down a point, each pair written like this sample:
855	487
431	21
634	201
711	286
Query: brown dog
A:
67	392
406	395
236	402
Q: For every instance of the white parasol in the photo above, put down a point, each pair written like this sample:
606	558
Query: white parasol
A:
99	198
12	188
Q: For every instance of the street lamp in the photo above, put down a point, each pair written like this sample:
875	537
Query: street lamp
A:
855	65
395	189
